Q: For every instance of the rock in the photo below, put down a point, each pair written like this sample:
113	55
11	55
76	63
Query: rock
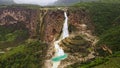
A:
46	24
53	20
78	50
15	15
49	22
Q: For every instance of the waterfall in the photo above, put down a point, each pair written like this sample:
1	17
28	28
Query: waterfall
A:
59	52
65	32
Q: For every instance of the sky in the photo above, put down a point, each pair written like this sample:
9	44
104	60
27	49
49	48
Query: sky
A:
42	2
38	2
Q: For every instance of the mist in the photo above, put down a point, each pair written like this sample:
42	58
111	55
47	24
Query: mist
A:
37	2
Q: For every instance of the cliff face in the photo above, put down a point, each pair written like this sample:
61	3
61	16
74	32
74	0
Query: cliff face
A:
53	24
46	24
28	17
78	20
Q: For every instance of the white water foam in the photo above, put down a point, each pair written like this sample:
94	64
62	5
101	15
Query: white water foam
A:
58	50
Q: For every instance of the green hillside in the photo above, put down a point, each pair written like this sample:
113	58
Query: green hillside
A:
27	55
30	53
106	17
110	1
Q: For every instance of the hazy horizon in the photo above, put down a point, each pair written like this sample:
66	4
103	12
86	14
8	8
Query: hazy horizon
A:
43	2
36	2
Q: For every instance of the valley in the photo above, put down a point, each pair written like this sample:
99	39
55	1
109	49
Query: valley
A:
30	36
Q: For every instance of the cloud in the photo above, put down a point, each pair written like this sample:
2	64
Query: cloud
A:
38	2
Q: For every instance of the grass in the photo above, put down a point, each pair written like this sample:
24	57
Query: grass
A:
112	63
12	35
111	38
27	55
102	14
106	18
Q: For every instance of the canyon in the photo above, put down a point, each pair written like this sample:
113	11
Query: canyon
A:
30	34
45	24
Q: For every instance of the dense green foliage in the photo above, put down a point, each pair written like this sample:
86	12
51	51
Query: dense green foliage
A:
110	1
106	17
103	15
111	38
111	61
29	6
28	55
89	64
12	34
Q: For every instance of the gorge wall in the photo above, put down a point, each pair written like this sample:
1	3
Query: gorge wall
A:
46	24
48	21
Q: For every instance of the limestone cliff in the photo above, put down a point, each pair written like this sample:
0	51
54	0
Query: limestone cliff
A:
16	15
49	20
46	25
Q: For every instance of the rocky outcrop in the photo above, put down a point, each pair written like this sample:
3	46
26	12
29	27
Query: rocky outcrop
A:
53	24
80	19
46	24
78	49
79	22
16	15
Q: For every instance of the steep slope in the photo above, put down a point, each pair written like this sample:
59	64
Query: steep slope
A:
106	19
26	55
45	24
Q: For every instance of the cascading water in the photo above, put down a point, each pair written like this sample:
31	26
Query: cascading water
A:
59	52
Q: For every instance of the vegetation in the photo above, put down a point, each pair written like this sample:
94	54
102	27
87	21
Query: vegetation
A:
29	6
102	14
26	6
106	17
89	64
27	55
12	35
111	38
111	61
110	1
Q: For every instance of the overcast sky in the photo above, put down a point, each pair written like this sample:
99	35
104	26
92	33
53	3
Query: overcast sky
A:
38	2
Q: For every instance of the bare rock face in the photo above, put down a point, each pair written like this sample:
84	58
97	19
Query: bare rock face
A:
79	20
47	23
10	16
78	48
80	44
53	24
